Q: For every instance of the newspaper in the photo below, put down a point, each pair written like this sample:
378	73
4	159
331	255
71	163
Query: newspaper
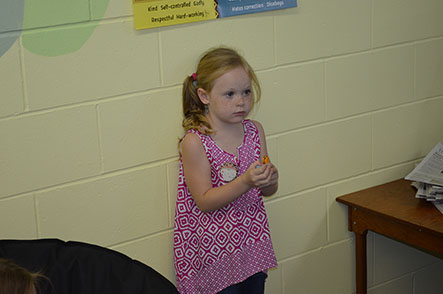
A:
430	169
428	177
428	192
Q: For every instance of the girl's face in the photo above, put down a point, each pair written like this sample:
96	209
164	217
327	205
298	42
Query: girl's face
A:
230	99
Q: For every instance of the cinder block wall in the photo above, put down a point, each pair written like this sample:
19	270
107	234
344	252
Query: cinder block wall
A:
90	113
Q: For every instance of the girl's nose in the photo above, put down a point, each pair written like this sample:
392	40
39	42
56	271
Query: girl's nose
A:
240	100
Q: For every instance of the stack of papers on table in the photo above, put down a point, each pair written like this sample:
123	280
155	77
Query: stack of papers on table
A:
428	177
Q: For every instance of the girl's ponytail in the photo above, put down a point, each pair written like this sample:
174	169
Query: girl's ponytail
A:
193	109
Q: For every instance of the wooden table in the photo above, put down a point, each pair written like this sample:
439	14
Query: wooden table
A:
392	210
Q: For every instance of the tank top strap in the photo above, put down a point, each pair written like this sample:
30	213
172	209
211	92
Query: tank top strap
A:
250	128
206	141
252	138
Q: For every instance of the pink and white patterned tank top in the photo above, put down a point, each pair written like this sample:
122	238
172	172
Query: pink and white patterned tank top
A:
217	249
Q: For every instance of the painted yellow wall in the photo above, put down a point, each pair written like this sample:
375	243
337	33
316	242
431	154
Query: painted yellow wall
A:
352	97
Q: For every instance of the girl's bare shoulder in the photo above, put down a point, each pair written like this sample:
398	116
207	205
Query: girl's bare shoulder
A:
192	144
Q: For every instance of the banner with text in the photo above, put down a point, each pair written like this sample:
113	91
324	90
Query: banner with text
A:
158	13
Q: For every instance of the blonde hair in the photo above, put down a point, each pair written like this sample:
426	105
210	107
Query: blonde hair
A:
15	279
214	63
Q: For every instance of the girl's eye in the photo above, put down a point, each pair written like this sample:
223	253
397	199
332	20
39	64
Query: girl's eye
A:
247	92
230	94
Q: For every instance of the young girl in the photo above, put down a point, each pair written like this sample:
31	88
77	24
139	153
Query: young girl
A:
222	242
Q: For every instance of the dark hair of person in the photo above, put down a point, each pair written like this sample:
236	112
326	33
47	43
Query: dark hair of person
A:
15	279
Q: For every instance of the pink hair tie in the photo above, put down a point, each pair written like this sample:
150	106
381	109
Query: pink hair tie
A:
194	78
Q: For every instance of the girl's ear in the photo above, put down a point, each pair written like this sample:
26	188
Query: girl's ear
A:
203	95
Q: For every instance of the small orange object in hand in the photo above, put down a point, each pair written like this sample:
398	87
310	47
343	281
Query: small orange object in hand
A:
265	159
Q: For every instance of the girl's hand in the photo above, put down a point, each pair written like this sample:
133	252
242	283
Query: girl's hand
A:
261	175
272	176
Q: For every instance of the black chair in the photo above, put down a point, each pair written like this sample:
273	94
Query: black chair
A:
81	268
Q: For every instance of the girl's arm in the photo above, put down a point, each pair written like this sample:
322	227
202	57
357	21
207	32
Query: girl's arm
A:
197	171
269	171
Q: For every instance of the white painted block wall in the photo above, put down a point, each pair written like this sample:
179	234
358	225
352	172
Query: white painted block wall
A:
352	97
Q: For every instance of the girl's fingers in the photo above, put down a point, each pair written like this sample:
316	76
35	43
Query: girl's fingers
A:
263	175
266	179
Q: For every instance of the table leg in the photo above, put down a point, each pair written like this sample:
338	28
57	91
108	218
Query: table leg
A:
360	262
